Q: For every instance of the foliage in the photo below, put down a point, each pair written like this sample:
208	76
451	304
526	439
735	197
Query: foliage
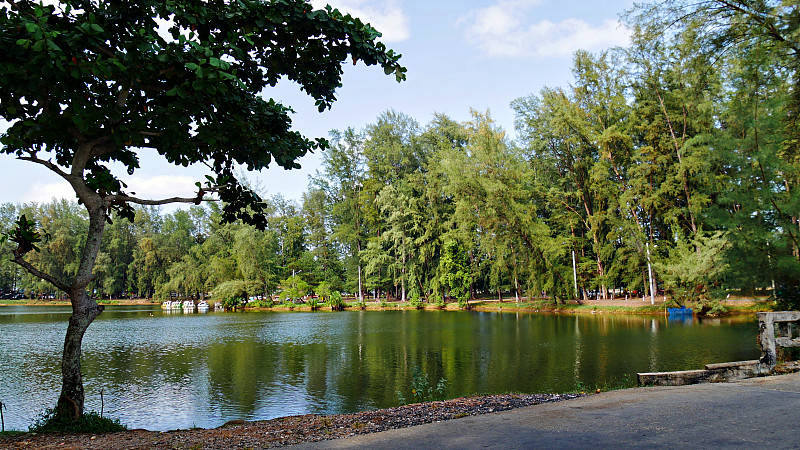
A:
692	266
85	54
324	291
86	85
11	433
675	157
713	308
415	301
294	288
25	235
625	382
455	272
788	297
421	389
336	302
90	422
231	293
262	303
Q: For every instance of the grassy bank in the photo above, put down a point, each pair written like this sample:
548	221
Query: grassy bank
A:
731	307
734	307
620	307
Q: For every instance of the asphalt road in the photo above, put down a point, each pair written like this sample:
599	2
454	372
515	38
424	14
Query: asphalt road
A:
756	413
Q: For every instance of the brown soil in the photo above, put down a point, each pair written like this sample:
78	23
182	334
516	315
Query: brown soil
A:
285	430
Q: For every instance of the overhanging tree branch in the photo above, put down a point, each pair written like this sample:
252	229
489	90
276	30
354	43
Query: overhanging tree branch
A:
121	198
49	164
68	89
19	258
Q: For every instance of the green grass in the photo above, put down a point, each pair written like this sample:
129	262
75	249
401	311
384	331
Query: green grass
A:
633	308
91	422
542	305
758	306
644	309
548	305
608	385
11	432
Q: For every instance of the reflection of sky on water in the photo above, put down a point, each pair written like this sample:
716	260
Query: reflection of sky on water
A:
169	371
282	399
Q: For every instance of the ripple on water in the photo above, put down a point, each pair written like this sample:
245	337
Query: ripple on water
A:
164	371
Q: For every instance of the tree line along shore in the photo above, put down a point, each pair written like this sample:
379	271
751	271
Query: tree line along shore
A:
664	166
633	306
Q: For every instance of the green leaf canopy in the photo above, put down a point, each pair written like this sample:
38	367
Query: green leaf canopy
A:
92	82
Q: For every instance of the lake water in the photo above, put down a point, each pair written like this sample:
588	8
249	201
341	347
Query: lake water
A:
163	371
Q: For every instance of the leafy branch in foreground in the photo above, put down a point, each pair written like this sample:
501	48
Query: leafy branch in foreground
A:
87	85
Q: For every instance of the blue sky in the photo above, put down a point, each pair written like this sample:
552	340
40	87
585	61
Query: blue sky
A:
460	54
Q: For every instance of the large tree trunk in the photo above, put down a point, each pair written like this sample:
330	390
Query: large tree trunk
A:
84	311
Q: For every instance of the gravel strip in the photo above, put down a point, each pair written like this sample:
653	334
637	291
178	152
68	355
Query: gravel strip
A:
286	430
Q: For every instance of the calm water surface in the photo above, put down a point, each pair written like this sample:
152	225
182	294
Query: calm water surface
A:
170	370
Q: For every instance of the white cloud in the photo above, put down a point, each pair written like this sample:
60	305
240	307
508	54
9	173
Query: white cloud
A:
155	187
161	186
45	192
385	15
503	30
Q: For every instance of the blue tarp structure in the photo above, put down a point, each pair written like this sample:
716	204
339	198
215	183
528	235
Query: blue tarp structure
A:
682	311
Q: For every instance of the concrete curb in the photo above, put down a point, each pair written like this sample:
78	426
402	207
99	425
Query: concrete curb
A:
713	373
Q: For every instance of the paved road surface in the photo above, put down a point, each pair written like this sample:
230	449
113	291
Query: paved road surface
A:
759	413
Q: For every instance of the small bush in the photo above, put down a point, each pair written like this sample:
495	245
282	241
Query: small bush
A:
231	293
232	303
421	389
262	303
294	288
324	291
717	308
335	302
90	422
415	301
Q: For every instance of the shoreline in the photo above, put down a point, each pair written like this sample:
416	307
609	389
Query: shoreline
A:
289	430
705	415
741	306
311	428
